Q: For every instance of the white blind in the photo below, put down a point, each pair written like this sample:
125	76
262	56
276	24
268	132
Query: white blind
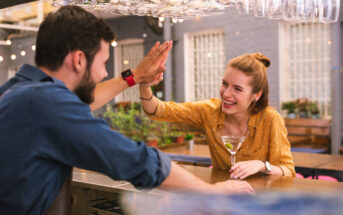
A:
204	64
305	57
128	54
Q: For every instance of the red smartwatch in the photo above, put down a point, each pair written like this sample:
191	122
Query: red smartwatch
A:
128	77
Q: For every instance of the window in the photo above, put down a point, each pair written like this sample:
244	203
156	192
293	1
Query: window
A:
204	64
128	54
11	71
305	63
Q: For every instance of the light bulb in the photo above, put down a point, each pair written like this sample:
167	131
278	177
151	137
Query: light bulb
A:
114	43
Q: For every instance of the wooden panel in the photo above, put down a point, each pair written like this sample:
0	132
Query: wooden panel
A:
308	122
308	131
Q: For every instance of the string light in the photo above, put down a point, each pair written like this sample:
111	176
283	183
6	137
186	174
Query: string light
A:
23	53
1	58
33	47
114	43
13	57
9	42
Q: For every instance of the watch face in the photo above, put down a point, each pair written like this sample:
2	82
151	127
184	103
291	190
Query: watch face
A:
126	73
268	166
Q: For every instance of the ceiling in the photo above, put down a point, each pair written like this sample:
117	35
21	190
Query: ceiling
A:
9	3
20	17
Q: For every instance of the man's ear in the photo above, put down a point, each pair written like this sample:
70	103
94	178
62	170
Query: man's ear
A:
79	61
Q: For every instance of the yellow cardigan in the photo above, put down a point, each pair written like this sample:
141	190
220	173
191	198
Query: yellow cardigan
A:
267	138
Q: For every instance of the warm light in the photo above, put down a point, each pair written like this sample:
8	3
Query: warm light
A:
144	35
174	20
13	57
1	58
114	43
125	62
9	42
33	47
308	40
161	19
23	53
180	20
329	42
209	55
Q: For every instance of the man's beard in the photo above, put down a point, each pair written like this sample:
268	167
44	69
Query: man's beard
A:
85	89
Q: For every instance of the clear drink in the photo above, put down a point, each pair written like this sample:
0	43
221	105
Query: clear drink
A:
232	144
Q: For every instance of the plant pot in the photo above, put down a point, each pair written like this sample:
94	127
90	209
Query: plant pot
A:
315	116
303	115
291	115
180	139
153	143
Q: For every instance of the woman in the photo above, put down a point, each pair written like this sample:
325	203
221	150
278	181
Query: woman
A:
242	111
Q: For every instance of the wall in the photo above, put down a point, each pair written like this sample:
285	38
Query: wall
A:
18	44
130	27
4	52
243	34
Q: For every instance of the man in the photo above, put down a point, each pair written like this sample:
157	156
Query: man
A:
47	127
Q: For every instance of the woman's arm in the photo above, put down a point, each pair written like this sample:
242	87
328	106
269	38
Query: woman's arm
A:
279	151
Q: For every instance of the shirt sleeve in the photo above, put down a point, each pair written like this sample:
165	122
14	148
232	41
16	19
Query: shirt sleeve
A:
72	136
188	112
280	148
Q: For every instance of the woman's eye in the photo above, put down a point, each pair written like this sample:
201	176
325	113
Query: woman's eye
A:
239	89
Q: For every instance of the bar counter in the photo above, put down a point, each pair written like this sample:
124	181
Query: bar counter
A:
94	180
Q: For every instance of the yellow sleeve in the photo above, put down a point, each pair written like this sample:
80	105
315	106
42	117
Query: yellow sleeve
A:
280	148
188	112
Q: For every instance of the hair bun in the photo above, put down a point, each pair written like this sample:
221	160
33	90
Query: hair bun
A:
262	58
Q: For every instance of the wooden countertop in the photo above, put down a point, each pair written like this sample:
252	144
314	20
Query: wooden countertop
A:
265	183
94	180
306	160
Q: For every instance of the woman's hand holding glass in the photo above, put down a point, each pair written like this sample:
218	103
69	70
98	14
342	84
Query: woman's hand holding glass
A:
244	169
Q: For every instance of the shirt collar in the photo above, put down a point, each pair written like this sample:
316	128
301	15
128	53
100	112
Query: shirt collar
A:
35	74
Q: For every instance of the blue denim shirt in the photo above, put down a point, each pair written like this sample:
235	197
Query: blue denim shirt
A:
45	130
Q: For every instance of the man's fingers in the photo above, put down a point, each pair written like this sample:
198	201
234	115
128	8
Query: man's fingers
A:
247	188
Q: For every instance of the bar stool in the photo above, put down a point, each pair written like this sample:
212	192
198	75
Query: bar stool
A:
323	178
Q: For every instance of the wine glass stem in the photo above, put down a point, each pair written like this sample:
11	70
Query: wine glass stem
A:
233	159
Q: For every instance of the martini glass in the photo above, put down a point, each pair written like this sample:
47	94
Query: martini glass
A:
232	144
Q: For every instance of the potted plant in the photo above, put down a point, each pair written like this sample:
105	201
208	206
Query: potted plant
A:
177	136
189	138
129	120
302	105
314	110
290	108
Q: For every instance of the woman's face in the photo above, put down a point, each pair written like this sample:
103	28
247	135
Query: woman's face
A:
236	92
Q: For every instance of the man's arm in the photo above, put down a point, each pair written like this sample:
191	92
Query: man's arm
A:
146	71
180	179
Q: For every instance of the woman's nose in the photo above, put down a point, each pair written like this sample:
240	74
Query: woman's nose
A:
227	92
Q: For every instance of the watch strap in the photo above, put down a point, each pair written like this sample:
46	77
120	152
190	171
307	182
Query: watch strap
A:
128	77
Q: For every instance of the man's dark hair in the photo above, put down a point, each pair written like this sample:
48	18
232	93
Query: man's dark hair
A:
68	29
